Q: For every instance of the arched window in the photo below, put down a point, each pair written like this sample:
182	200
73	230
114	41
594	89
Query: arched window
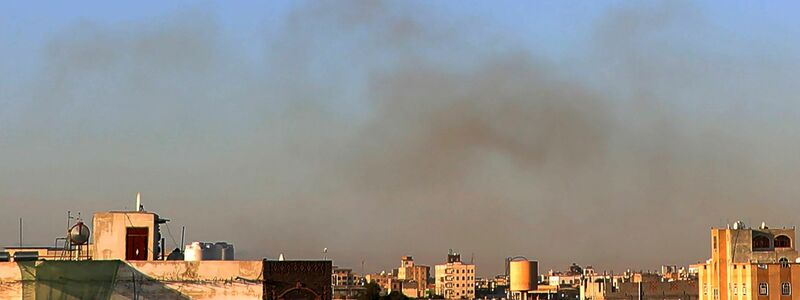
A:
783	241
760	242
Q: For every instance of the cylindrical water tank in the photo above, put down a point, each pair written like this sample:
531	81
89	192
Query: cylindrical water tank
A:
193	252
78	234
524	275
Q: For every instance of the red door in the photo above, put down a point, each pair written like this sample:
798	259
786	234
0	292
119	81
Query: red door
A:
136	243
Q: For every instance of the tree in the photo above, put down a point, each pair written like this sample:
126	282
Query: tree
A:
372	291
395	295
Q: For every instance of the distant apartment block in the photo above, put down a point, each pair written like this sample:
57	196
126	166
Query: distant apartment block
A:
455	279
415	277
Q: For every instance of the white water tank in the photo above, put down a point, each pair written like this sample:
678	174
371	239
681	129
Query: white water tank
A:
193	252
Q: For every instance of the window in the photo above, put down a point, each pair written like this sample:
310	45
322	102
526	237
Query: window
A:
784	262
715	242
763	289
783	241
744	289
735	289
760	242
705	289
786	289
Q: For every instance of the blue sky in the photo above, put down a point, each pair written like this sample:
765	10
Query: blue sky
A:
549	25
555	30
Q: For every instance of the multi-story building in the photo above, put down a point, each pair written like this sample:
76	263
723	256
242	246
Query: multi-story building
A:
342	277
415	277
455	279
750	263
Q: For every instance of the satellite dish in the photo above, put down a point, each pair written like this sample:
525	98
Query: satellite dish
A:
78	234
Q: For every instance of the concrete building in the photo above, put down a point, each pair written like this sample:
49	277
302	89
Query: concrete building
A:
455	279
631	286
750	263
415	277
387	281
126	235
124	261
342	277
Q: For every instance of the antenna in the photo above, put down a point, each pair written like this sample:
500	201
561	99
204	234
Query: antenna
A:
183	235
20	231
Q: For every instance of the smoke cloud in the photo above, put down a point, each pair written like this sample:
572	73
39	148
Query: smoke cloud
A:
377	131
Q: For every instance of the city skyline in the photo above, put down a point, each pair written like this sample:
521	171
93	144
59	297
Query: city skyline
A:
612	134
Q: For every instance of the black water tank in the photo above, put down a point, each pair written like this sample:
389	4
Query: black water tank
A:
26	256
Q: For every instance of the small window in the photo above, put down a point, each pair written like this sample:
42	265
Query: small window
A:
744	289
735	289
786	289
763	289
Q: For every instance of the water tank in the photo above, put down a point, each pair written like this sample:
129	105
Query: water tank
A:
175	255
524	275
26	256
210	252
224	250
78	234
193	252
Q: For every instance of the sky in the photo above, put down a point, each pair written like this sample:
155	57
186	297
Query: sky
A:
606	133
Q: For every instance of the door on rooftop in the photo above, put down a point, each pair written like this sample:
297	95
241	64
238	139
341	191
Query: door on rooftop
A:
136	243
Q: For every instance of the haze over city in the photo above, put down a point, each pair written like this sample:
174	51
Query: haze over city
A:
611	134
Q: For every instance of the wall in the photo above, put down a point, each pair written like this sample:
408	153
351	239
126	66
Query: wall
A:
193	280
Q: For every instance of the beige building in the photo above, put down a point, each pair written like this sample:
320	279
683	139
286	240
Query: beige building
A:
415	277
750	263
126	235
455	279
387	281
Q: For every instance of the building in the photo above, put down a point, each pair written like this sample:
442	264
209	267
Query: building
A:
415	277
388	282
346	284
750	263
123	260
632	286
126	235
342	277
455	279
